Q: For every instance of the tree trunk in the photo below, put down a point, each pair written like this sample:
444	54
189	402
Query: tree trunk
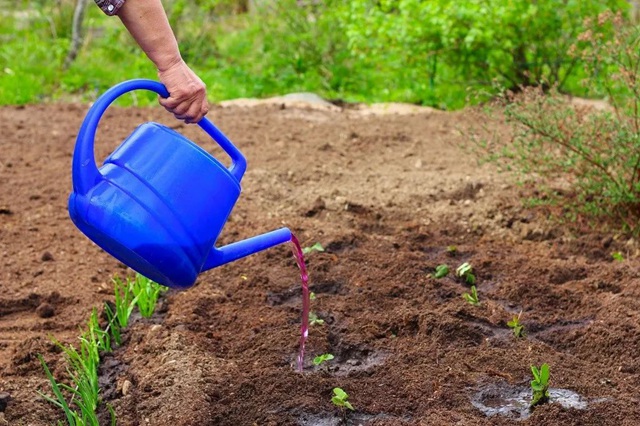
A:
76	32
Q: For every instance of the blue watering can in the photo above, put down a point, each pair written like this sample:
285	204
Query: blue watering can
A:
159	201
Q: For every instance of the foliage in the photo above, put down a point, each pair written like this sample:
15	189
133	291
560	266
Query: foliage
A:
617	256
339	399
322	358
430	53
146	294
586	160
540	384
82	363
82	369
314	319
315	247
441	271
452	45
516	327
472	296
465	271
125	301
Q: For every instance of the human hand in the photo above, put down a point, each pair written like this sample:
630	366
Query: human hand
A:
187	99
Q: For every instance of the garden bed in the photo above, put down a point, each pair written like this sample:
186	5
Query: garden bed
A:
387	195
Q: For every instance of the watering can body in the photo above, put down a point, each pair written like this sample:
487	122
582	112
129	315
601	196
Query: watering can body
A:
159	201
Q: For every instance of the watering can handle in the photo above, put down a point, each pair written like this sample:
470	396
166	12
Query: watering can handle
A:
85	170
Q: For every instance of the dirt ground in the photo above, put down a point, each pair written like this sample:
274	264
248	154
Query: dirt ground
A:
386	192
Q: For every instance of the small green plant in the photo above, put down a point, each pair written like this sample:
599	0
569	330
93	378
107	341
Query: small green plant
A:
465	271
82	364
146	294
516	327
339	399
73	418
452	250
315	247
322	358
441	271
124	300
540	385
472	297
312	296
82	369
617	256
313	319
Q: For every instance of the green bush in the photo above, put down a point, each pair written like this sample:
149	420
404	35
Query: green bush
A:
584	160
446	45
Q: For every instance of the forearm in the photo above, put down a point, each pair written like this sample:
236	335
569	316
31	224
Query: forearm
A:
147	23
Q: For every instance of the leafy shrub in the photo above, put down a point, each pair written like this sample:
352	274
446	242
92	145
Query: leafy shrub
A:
453	45
586	160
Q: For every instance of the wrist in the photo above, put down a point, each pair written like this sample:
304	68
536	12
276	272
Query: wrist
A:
165	64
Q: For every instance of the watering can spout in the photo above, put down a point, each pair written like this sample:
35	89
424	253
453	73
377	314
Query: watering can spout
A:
240	249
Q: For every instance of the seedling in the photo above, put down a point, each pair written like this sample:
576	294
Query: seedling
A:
322	358
441	271
101	337
146	292
315	247
312	296
125	301
472	297
516	327
114	326
618	256
452	250
82	363
313	319
339	399
465	271
540	385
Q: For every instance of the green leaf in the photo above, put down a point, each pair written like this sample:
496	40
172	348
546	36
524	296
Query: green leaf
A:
339	393
537	386
315	247
322	358
544	374
441	271
348	405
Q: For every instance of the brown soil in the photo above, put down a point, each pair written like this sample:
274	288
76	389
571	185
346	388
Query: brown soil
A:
385	194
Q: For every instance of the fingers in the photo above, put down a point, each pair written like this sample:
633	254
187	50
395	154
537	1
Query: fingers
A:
187	99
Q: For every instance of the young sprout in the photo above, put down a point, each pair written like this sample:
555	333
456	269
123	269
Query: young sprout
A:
465	271
472	297
441	271
540	385
315	247
312	296
516	327
146	293
322	358
339	399
452	250
618	256
313	319
125	301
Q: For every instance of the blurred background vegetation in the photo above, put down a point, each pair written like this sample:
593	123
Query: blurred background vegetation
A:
441	53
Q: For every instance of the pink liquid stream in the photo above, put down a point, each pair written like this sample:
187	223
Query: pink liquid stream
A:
304	277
